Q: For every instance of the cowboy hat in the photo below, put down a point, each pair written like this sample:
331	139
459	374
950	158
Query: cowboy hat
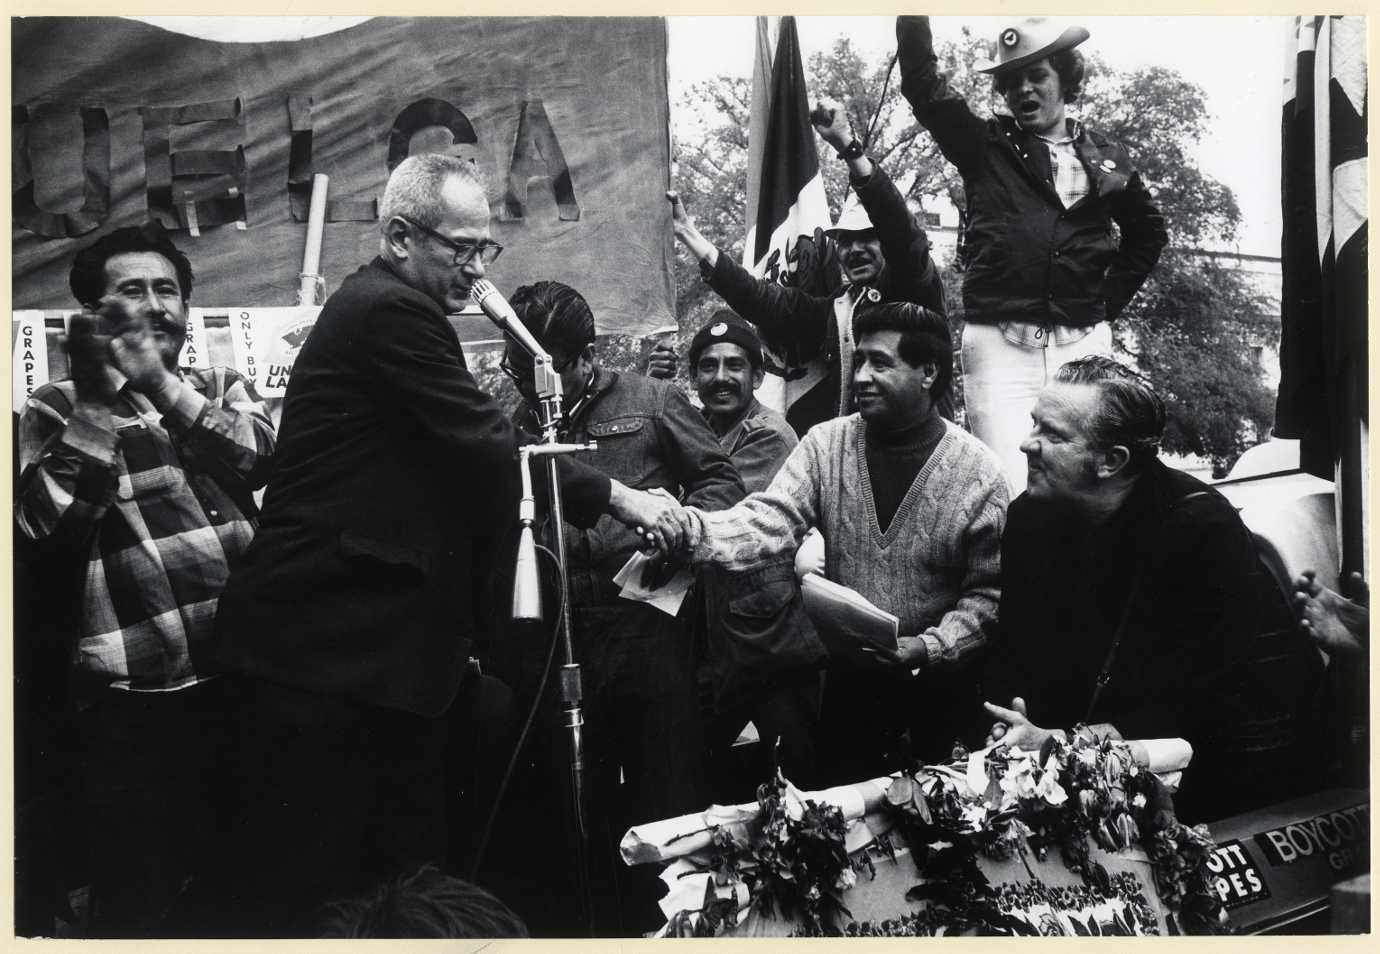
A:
852	217
1029	40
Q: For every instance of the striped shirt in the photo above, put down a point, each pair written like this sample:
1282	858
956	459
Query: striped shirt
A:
157	506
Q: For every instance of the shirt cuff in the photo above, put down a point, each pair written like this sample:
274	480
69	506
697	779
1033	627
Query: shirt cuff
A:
698	545
90	432
186	408
934	648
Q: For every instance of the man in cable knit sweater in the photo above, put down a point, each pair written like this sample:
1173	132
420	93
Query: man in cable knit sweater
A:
911	508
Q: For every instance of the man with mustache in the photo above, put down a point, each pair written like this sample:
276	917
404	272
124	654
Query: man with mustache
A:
762	663
137	482
911	508
1044	273
885	256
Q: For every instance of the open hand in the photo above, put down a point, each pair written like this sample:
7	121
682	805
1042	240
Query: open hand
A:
1013	727
680	219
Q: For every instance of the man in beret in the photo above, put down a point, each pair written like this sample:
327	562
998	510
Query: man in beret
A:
726	368
763	657
1044	273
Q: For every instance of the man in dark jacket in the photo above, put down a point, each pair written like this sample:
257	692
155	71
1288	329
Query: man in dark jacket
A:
885	256
763	657
1133	601
349	618
641	711
1044	271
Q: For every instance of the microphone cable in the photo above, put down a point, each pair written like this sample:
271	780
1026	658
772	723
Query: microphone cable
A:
531	715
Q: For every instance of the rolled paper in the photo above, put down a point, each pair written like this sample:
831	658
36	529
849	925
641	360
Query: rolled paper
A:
687	834
1164	755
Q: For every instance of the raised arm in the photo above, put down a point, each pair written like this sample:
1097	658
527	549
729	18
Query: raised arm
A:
956	129
783	314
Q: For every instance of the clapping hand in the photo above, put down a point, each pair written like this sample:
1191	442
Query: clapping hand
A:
88	355
134	349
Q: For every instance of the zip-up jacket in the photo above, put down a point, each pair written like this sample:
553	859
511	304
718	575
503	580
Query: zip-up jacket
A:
1030	258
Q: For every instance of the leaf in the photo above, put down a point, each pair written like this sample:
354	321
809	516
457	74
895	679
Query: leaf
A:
1078	929
1101	880
1047	749
1093	928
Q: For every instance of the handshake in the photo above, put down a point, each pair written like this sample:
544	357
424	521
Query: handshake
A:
656	517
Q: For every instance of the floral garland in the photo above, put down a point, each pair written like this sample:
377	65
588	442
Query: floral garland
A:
1018	803
795	865
1067	795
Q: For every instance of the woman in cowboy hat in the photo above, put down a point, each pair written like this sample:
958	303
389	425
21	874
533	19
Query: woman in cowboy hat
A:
1045	273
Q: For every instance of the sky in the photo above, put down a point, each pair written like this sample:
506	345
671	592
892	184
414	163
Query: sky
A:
1238	61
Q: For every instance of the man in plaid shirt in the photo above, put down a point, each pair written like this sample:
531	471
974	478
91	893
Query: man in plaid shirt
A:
143	476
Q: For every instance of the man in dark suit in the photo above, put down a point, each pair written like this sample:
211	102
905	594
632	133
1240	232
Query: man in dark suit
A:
349	619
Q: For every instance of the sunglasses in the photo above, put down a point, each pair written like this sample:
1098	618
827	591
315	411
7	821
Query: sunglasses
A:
465	252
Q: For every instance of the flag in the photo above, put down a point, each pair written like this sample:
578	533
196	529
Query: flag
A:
785	190
1323	340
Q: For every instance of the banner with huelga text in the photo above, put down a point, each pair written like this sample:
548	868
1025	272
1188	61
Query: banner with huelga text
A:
115	121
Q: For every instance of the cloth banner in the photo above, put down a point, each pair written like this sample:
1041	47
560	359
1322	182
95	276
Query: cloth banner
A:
566	119
1324	307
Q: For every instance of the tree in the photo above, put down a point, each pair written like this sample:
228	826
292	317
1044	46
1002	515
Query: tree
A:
1195	330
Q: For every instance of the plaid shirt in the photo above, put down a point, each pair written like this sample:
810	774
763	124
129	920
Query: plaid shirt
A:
1066	171
157	505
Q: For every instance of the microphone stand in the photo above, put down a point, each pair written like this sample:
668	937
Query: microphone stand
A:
548	389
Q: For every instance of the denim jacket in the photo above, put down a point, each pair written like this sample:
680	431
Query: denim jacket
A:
649	435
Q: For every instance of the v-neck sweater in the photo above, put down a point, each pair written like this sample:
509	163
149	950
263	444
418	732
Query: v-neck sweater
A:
937	565
894	461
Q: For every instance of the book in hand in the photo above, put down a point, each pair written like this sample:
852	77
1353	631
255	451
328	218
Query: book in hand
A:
846	621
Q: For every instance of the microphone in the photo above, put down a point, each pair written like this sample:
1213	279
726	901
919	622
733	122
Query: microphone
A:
526	579
501	313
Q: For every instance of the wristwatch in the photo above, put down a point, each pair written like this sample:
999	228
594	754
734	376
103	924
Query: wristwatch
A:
853	150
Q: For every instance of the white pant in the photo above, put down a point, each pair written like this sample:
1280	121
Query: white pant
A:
1001	379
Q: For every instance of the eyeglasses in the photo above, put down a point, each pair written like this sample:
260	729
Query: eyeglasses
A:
519	375
465	252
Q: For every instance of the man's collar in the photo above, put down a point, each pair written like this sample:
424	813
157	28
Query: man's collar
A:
753	408
1072	130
